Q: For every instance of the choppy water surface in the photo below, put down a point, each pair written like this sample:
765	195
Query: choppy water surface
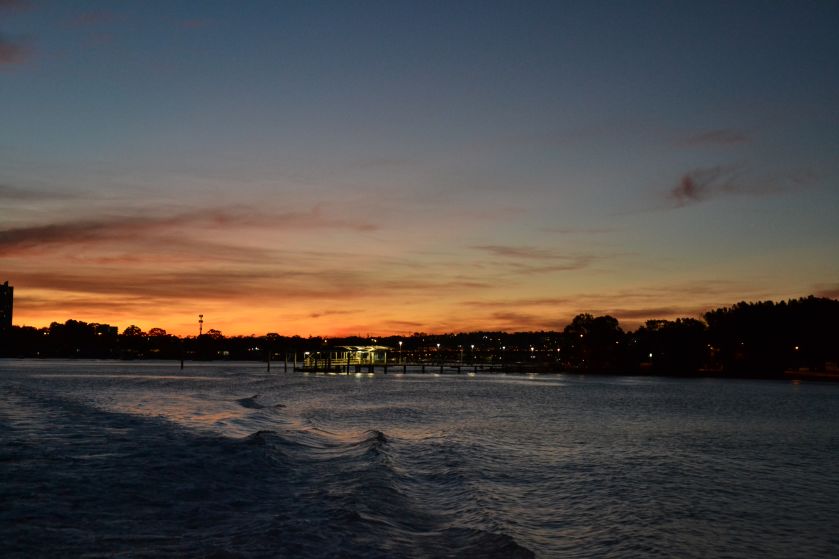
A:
104	458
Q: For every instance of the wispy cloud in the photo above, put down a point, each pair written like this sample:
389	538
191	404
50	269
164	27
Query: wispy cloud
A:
12	52
530	260
702	184
93	18
578	230
716	137
699	184
8	193
133	228
631	306
195	23
523	302
324	313
521	252
233	283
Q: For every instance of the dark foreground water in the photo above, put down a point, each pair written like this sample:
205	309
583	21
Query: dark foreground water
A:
111	459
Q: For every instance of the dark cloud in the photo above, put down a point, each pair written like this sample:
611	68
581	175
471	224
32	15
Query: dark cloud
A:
79	305
22	238
527	260
519	303
186	285
578	230
222	281
432	287
11	52
519	252
321	314
568	264
13	193
700	184
134	229
719	136
404	324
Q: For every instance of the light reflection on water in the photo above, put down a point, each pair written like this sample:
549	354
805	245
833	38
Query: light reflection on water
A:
415	465
125	376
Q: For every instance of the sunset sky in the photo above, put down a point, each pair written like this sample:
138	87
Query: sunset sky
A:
371	167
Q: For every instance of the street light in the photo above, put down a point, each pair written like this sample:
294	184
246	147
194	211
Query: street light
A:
400	351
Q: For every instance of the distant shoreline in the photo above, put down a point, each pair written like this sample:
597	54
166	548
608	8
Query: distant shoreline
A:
470	370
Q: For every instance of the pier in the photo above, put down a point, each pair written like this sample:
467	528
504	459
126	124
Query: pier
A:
375	360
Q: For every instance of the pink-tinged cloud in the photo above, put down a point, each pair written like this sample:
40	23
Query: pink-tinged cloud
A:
12	53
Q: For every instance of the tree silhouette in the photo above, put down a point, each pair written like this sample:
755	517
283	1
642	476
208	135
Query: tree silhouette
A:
593	342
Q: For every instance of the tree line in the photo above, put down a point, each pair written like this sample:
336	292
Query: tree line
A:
762	338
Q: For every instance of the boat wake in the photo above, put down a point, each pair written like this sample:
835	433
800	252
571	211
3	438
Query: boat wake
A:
110	482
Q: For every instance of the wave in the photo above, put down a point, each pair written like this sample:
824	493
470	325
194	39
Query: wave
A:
372	499
250	403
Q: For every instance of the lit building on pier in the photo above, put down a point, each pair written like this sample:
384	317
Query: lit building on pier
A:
347	355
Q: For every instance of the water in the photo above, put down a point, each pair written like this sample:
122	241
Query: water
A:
141	459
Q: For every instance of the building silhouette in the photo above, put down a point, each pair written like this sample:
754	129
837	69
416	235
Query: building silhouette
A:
6	300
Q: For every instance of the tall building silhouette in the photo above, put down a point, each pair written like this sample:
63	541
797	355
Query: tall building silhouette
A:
6	300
